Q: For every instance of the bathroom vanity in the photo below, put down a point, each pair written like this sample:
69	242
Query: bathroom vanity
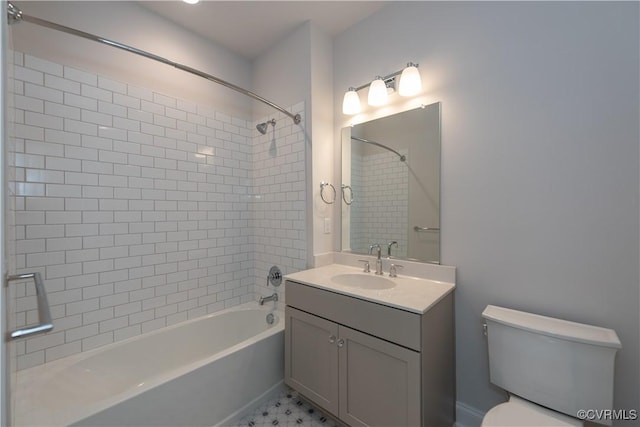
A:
371	350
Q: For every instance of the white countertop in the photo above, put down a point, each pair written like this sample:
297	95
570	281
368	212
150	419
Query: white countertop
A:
413	294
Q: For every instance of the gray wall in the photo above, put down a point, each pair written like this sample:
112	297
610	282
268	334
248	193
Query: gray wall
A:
540	159
299	68
282	73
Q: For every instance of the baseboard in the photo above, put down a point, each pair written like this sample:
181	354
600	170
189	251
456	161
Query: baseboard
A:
467	416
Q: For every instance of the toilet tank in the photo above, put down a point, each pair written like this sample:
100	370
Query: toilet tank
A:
565	366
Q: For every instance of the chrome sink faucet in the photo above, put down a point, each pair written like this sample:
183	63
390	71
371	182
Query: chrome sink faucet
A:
378	260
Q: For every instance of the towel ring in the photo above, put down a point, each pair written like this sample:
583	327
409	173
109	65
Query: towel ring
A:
322	187
344	196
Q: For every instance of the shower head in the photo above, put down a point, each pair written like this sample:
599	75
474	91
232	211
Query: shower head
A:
262	127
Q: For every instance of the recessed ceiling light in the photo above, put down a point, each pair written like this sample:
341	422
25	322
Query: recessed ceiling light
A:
191	1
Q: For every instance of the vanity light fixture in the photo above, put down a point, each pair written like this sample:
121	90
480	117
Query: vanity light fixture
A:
410	84
378	92
351	102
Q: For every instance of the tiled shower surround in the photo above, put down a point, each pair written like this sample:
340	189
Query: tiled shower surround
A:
141	210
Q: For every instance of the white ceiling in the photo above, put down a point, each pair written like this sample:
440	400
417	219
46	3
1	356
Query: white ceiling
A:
251	27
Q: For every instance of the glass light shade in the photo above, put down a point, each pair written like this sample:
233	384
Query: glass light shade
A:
410	81
378	92
351	102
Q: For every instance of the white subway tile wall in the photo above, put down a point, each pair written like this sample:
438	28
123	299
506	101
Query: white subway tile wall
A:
380	185
141	210
278	216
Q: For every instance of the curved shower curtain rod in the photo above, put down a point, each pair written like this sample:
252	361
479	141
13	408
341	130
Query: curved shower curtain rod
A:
402	156
16	15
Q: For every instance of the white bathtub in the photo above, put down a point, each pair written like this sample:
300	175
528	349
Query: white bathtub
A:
201	372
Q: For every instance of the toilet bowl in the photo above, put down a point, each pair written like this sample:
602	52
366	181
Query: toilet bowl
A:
551	368
518	412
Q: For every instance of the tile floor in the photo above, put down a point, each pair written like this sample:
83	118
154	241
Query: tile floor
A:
287	409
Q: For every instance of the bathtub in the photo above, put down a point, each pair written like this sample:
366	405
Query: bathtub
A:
201	372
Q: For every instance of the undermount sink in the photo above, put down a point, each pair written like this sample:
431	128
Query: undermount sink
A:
363	281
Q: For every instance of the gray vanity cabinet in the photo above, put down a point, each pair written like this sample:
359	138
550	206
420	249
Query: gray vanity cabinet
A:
366	363
312	366
379	382
361	379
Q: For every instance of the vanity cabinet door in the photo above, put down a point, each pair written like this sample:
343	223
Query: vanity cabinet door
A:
379	381
311	357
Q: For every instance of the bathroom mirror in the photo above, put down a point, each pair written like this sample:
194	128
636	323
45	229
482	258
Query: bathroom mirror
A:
391	185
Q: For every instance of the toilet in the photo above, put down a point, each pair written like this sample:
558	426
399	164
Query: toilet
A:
551	368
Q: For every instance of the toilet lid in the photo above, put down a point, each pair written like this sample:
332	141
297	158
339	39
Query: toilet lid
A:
520	413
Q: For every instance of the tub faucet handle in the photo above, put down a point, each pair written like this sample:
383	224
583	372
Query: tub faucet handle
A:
275	276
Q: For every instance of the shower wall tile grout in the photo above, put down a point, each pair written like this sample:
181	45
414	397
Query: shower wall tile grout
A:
142	210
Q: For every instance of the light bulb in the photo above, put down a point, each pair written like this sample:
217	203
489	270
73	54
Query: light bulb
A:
378	92
410	82
351	102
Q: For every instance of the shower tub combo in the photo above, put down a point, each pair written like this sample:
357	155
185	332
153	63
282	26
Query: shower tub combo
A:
202	372
199	373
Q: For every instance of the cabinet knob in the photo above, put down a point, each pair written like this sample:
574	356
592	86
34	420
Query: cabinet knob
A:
332	339
340	343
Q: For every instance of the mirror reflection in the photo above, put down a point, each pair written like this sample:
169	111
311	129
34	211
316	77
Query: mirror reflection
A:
391	185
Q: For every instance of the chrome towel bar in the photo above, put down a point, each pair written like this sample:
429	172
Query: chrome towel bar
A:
44	314
426	229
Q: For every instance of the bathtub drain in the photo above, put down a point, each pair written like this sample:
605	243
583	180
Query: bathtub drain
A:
270	319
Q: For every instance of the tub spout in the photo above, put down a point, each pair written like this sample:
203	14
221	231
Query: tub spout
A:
273	297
